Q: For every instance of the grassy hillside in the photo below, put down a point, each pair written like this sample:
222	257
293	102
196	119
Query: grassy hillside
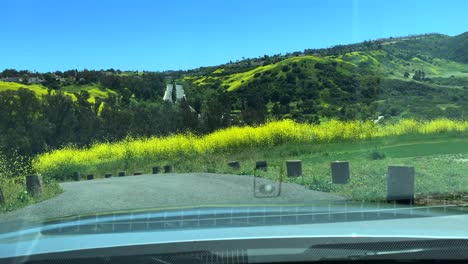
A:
377	61
421	75
232	82
394	67
38	89
235	81
345	81
94	90
439	55
432	45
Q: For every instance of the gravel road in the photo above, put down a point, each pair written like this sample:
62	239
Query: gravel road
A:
150	191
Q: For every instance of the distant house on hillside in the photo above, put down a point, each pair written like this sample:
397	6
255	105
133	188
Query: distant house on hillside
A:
35	80
13	79
32	80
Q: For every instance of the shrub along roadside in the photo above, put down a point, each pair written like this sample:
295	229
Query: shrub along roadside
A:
440	162
16	196
124	155
13	173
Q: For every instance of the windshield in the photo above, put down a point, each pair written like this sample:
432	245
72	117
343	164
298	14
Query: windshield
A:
142	116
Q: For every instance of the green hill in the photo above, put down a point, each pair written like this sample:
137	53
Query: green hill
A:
433	45
95	91
421	76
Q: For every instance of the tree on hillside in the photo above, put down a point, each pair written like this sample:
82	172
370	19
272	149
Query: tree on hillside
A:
70	73
254	109
168	118
9	73
419	75
87	76
174	94
116	120
89	123
59	113
215	111
152	118
51	82
111	81
21	123
187	117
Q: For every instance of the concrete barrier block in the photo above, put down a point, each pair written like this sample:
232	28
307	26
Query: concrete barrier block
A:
34	184
156	170
234	164
340	172
294	168
168	169
400	184
261	165
2	198
76	176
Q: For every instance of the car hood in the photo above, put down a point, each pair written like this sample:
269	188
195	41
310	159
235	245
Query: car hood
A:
234	223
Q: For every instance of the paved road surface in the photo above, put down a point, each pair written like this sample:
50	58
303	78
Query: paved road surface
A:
149	191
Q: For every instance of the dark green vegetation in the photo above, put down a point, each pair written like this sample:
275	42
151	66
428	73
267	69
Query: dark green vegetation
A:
422	77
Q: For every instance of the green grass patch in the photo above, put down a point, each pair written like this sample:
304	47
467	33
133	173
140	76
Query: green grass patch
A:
94	90
36	88
436	171
362	59
16	195
218	71
235	81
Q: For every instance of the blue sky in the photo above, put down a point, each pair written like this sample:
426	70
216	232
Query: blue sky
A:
49	35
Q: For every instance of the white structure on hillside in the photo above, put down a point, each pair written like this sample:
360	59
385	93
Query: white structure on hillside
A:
179	93
179	90
168	93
